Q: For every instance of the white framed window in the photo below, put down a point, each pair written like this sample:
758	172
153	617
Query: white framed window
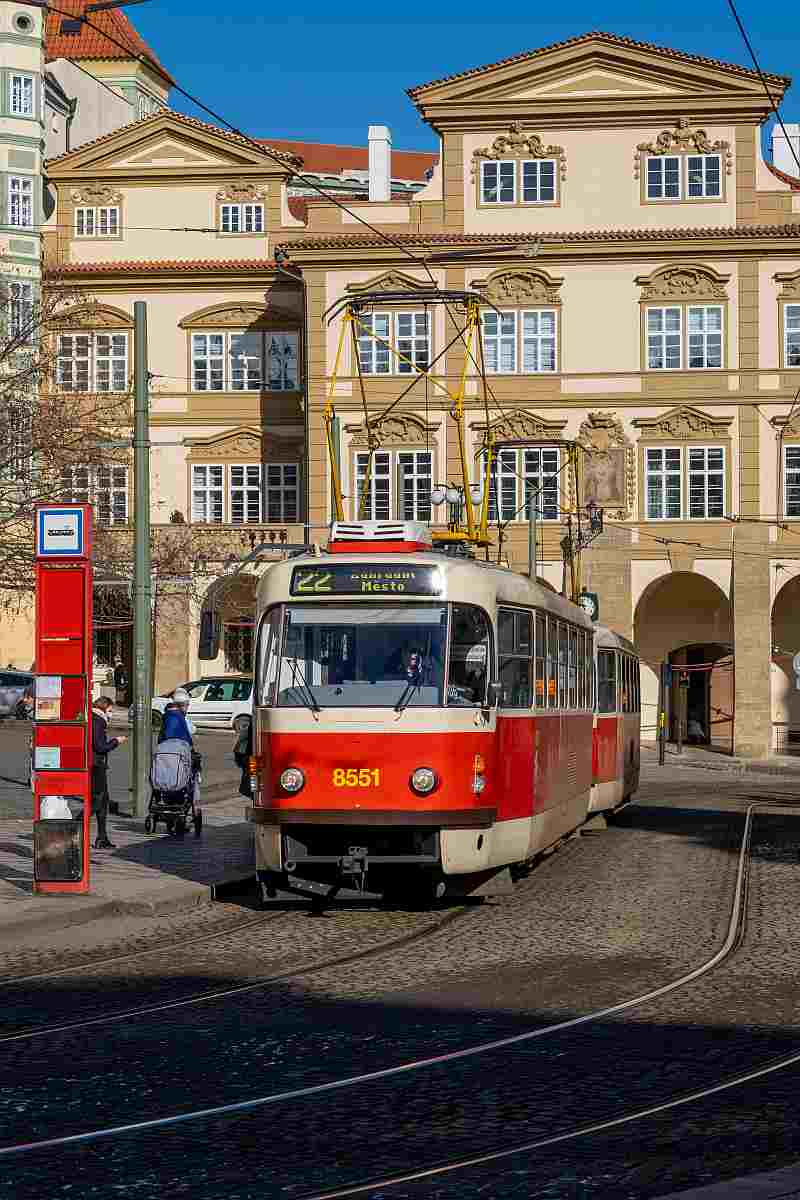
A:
664	334
791	335
412	342
703	176
245	353
208	495
541	467
374	355
499	342
93	362
20	201
21	101
499	182
110	362
706	470
791	481
538	341
243	361
282	491
664	177
704	336
282	361
245	493
684	177
20	310
97	222
539	181
241	218
208	362
503	489
663	483
414	471
377	504
105	487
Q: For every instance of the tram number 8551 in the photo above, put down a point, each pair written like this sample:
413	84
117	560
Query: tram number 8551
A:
352	777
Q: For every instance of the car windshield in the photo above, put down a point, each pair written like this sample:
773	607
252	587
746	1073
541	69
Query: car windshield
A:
358	656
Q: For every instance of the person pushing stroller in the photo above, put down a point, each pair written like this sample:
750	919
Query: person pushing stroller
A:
175	772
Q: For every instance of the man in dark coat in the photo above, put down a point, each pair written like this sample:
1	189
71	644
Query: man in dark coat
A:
102	745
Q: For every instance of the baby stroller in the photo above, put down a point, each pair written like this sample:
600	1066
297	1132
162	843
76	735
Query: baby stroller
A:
174	772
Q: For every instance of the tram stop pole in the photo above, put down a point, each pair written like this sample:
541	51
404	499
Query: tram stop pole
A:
142	610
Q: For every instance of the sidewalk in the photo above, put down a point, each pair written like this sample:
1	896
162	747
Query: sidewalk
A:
145	874
783	1184
711	760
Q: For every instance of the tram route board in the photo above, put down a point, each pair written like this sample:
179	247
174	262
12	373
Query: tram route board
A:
373	579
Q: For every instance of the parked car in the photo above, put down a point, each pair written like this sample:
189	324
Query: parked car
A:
221	702
13	686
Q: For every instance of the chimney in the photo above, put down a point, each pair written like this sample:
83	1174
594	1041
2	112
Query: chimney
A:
380	163
782	156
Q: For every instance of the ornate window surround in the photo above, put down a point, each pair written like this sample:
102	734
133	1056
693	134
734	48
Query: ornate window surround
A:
241	317
789	294
681	142
683	426
401	431
519	147
240	192
684	286
97	196
246	445
521	290
523	424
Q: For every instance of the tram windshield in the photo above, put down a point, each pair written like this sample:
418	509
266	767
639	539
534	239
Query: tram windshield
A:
343	656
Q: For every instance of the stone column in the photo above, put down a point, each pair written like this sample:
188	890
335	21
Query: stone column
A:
752	634
606	569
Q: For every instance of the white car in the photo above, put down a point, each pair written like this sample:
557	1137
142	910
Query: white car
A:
221	702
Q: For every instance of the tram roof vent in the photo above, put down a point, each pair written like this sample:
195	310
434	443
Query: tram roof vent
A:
368	537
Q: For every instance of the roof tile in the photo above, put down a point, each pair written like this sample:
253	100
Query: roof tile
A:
243	265
599	36
98	40
326	157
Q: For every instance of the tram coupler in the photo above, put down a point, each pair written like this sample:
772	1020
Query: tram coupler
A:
355	863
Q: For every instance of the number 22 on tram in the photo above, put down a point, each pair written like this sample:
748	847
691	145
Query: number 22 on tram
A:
419	716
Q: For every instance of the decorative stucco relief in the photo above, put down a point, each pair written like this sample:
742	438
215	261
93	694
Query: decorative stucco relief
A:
514	425
241	316
683	423
520	287
390	281
790	281
516	144
683	283
241	192
683	140
95	316
245	445
607	466
95	194
399	430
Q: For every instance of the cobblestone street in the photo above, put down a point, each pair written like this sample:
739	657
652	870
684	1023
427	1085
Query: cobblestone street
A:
612	915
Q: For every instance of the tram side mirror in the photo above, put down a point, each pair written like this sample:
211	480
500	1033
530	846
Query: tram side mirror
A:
495	693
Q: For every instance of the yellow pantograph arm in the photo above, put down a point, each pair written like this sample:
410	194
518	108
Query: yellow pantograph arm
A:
403	358
328	415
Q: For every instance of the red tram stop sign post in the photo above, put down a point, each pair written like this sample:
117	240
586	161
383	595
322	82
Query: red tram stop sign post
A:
62	741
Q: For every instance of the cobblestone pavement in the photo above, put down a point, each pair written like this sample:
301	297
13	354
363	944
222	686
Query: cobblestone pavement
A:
609	916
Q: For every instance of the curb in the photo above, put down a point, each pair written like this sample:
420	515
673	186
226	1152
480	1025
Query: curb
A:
785	1182
730	766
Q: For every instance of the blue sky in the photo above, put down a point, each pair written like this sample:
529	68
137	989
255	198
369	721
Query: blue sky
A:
324	72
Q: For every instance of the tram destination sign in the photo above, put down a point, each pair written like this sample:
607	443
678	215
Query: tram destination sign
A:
367	579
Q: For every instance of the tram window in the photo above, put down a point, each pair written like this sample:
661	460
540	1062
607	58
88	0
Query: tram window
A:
552	663
267	658
514	636
573	668
470	655
581	668
606	681
563	660
541	660
638	687
625	676
338	656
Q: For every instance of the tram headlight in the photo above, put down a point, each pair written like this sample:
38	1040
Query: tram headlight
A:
423	780
292	780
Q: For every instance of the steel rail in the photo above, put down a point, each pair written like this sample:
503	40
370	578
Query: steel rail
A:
731	941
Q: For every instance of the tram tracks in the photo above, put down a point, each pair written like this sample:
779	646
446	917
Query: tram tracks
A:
447	1059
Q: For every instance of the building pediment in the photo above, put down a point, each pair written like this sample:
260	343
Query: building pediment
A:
92	315
400	429
690	281
597	69
522	426
167	142
390	281
519	286
243	315
247	443
683	423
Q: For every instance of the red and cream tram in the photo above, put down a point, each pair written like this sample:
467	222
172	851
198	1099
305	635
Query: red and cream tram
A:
415	712
615	750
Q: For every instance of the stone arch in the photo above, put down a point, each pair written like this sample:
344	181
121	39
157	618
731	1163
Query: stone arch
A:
785	644
685	618
92	315
230	602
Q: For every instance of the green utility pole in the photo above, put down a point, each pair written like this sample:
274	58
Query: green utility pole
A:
142	615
